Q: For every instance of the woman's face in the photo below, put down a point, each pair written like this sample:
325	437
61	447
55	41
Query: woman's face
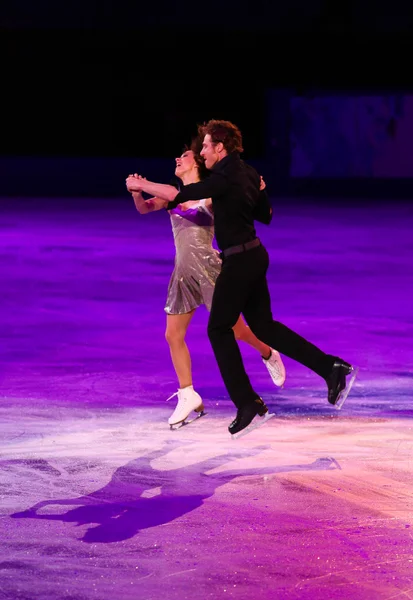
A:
185	163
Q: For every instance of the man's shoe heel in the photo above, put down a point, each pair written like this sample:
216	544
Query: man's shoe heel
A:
262	409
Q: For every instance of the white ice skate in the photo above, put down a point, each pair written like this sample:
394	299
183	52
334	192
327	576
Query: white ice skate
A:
188	400
275	368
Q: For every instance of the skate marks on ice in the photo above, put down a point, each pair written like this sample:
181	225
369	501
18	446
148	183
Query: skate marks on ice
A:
139	497
257	422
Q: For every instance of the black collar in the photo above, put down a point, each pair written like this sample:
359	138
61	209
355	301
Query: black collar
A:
229	158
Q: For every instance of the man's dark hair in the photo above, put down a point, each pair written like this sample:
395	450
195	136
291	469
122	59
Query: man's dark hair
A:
223	131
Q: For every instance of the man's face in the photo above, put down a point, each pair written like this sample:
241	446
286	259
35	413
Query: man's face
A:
209	152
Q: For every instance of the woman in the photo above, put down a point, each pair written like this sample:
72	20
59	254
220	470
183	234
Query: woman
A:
197	266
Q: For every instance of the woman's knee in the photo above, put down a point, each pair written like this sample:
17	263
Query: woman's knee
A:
174	336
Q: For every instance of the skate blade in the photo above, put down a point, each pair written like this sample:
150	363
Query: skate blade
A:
254	425
343	396
177	426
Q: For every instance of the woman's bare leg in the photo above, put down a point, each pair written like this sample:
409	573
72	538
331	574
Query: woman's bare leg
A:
176	328
272	359
243	332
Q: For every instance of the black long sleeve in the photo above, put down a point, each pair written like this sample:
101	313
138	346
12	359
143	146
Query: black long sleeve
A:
213	185
263	211
234	187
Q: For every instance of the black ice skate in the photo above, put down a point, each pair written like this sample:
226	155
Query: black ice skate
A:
246	414
338	386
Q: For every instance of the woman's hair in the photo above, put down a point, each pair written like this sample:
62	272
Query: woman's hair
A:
196	147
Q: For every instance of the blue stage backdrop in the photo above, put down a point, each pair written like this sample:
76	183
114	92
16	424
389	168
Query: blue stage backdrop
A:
351	136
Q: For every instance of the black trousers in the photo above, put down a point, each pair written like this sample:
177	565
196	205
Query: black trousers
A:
242	287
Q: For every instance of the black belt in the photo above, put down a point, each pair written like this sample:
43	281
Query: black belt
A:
241	248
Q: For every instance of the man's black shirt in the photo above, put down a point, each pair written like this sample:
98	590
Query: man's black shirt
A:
233	186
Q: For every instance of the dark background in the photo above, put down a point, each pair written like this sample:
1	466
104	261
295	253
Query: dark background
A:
92	90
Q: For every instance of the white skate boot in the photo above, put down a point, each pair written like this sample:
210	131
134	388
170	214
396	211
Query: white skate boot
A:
188	400
275	368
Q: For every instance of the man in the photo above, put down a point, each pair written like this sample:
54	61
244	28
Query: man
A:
242	285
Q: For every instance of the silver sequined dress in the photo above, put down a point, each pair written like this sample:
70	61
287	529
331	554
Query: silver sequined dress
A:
197	263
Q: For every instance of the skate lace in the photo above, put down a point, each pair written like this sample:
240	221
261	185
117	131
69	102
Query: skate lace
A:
276	366
181	400
275	363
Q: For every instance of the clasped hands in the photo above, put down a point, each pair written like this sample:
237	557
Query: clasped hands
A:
132	182
132	185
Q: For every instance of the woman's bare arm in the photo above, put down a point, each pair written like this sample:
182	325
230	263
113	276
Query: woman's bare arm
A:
146	206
